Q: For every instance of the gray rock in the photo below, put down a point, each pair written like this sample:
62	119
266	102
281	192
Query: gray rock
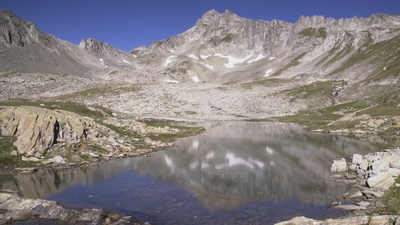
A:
350	176
350	207
382	180
357	194
380	220
363	203
357	158
19	208
59	160
339	166
373	193
347	181
397	221
394	172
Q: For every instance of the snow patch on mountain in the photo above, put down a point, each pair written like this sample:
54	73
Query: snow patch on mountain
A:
193	56
196	79
172	81
268	73
126	61
169	60
272	57
102	63
259	57
205	56
211	67
232	61
194	76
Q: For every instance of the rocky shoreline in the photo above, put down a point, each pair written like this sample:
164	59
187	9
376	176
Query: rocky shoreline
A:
371	182
15	208
52	138
40	137
373	175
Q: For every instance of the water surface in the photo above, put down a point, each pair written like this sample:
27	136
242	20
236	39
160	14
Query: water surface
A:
235	173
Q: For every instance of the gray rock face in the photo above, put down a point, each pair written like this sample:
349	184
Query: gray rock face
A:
339	166
38	129
382	180
14	208
25	48
107	55
18	33
313	45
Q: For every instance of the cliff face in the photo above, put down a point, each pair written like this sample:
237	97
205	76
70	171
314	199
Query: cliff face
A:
315	46
24	48
225	66
39	129
220	47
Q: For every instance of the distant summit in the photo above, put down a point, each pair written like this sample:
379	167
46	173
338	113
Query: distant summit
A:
220	47
27	49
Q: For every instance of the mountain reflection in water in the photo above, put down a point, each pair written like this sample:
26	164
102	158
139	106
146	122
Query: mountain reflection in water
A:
231	165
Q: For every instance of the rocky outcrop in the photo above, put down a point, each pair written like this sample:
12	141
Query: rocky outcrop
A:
357	220
373	173
38	129
107	55
373	179
339	166
60	137
14	208
25	48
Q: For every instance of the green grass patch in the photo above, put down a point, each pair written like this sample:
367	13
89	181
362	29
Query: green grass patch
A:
314	32
342	53
329	55
190	112
8	161
53	105
381	110
227	38
345	108
292	63
317	88
316	119
184	130
97	91
6	146
311	119
381	53
268	82
391	201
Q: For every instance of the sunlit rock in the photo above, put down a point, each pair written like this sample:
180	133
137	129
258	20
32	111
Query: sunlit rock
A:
339	166
382	180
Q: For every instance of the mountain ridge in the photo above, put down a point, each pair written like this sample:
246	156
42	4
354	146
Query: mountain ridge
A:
224	67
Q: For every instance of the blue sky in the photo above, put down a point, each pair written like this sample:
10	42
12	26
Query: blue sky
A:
126	24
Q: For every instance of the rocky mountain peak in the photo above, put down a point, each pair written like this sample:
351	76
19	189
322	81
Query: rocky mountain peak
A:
215	18
313	21
95	47
15	32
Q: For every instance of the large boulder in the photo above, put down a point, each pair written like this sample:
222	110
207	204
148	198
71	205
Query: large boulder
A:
14	208
381	181
37	129
339	166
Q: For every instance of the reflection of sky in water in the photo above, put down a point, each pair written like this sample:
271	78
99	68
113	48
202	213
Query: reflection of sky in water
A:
234	172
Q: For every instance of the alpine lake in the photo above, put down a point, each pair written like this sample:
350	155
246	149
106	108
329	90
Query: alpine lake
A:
234	173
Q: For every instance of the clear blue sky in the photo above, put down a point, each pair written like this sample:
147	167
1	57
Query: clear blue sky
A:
126	24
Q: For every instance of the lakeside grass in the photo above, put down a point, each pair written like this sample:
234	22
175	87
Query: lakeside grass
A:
184	130
99	114
391	202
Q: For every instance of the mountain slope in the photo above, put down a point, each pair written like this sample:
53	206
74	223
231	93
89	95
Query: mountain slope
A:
223	47
342	72
24	48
